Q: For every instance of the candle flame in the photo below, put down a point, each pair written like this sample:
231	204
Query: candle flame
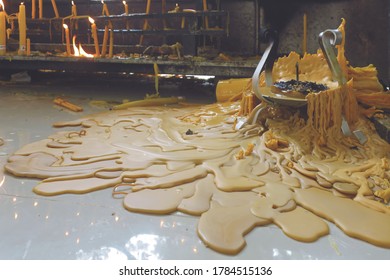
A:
124	2
65	26
84	53
72	3
2	5
75	49
91	20
79	51
102	2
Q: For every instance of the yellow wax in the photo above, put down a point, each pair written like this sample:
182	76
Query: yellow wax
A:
95	37
111	50
105	9
53	3
40	7
28	46
304	42
33	9
22	29
74	9
126	7
105	40
206	20
3	41
141	40
126	12
67	39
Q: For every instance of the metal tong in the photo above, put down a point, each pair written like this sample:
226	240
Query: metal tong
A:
266	62
328	39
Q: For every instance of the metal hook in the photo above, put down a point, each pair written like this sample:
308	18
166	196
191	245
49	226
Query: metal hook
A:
267	60
328	39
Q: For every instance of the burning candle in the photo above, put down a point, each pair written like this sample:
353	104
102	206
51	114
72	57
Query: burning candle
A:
74	9
304	40
53	3
33	9
3	41
40	8
67	39
22	29
105	9
126	12
126	7
94	36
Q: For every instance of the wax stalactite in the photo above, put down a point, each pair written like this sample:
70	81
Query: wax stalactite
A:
22	29
55	9
67	39
95	36
3	28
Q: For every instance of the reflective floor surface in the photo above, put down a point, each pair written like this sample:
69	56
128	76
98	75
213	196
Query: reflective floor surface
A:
95	225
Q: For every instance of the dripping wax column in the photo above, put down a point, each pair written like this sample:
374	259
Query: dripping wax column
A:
22	29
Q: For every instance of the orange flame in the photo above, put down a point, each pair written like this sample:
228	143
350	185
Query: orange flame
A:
75	49
84	53
2	5
79	51
91	20
64	25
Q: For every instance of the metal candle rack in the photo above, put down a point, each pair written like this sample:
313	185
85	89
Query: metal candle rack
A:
191	28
